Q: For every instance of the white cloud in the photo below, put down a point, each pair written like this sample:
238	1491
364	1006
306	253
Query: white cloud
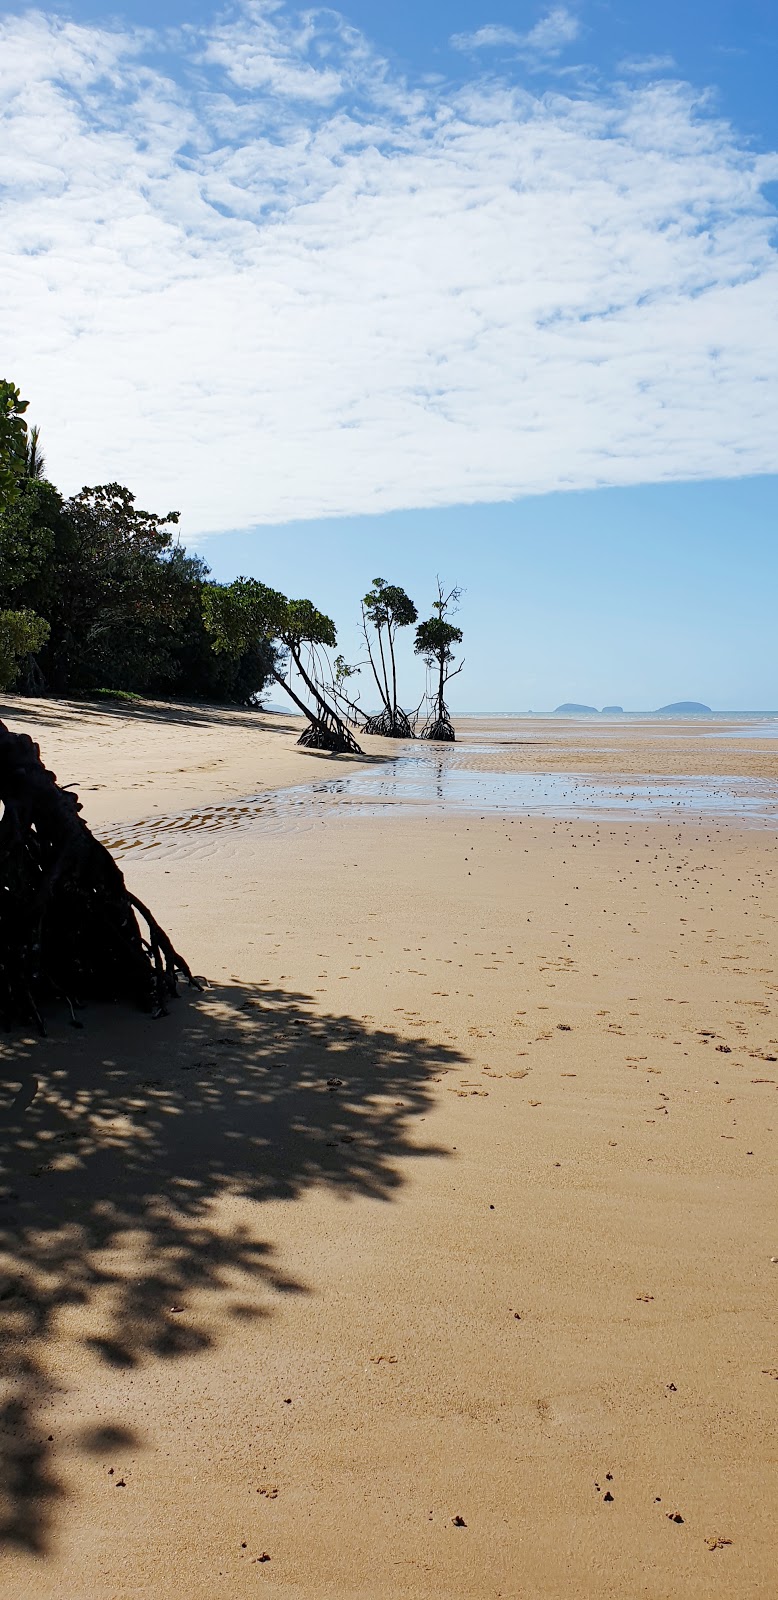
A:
554	31
648	65
263	49
259	297
559	27
491	36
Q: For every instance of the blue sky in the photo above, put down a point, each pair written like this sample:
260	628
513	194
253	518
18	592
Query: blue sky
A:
484	290
631	597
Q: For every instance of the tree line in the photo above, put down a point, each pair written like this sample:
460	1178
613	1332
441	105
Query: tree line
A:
99	596
96	594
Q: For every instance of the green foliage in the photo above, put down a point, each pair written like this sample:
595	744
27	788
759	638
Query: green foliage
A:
435	637
116	591
13	441
101	599
240	613
303	624
388	606
434	640
124	696
31	530
247	612
122	597
21	634
342	672
34	459
237	614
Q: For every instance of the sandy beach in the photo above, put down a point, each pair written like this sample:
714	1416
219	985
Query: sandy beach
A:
431	1250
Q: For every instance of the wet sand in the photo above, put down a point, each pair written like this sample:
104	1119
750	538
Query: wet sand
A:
429	1252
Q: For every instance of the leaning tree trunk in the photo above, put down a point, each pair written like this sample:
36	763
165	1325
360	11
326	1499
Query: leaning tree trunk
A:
69	927
326	730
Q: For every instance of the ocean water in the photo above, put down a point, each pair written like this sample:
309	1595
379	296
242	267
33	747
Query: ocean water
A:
433	780
740	725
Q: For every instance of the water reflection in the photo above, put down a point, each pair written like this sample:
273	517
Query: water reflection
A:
430	781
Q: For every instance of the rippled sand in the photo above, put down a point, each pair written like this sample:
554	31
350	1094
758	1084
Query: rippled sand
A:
428	1254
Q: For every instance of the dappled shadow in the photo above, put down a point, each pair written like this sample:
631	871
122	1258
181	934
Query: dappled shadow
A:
38	716
56	712
116	1146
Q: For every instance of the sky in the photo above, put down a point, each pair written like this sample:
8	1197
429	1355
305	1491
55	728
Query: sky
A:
483	290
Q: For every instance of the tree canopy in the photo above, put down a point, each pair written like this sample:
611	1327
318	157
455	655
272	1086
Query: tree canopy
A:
434	642
117	597
386	608
97	594
434	639
13	440
247	611
21	634
238	613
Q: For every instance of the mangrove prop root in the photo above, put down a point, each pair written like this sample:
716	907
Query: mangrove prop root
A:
391	725
441	730
326	735
70	930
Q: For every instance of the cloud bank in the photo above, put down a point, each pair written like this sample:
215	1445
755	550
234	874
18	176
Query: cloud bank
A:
254	273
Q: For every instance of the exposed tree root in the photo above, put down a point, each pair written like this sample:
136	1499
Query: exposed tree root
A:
325	731
441	730
69	927
391	725
330	735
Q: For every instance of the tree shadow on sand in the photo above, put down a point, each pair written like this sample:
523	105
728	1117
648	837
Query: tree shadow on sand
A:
55	712
60	714
112	1174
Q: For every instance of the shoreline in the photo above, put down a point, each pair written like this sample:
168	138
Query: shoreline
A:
194	756
452	1197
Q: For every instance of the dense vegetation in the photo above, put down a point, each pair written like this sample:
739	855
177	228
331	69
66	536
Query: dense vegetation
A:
245	613
98	596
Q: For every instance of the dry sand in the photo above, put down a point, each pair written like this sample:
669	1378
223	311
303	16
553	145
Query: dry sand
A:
429	1252
155	758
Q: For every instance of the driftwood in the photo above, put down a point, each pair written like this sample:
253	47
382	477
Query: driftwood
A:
69	927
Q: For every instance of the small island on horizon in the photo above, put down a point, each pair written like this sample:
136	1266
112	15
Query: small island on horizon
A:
571	706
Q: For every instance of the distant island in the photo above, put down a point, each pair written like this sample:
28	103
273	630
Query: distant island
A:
569	706
611	708
683	705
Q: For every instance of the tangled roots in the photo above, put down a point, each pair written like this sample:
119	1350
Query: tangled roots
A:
69	927
441	730
333	736
391	725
